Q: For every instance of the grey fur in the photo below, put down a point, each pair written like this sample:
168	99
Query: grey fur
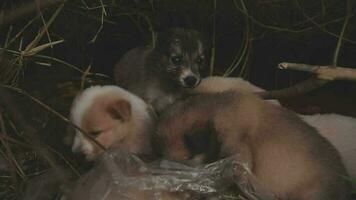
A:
151	74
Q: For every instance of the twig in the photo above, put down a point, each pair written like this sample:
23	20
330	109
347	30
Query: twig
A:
43	30
342	33
100	27
8	36
238	57
282	29
243	53
322	28
38	3
325	74
90	16
84	76
151	29
213	50
21	31
244	68
56	60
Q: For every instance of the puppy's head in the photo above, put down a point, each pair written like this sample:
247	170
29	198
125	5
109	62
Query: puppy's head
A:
182	56
107	115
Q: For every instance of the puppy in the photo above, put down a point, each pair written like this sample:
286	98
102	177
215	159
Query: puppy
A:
287	156
114	118
338	129
159	75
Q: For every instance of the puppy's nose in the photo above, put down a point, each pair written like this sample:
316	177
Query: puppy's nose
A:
190	81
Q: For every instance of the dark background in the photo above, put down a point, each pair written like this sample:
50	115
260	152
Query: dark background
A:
276	31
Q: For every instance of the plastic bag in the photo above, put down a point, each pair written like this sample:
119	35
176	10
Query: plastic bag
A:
119	175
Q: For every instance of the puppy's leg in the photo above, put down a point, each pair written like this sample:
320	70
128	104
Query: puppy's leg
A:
244	177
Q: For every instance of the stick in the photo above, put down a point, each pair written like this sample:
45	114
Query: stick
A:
328	73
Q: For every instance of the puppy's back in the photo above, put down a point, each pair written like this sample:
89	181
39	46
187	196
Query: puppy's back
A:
289	156
285	154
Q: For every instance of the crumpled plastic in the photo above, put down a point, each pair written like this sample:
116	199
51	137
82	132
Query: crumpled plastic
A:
119	175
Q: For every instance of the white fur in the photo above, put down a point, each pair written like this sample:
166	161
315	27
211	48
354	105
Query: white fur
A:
85	99
185	73
338	129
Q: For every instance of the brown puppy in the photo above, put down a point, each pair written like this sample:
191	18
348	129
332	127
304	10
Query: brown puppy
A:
113	117
287	156
159	75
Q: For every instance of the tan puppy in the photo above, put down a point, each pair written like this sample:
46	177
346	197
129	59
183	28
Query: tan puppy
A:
287	156
114	118
338	129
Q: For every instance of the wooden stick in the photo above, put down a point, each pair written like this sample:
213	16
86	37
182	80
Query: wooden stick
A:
295	90
324	74
328	73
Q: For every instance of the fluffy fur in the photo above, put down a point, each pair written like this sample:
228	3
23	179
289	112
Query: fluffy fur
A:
159	75
114	117
338	129
287	156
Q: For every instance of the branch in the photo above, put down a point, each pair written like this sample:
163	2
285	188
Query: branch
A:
295	90
328	73
324	74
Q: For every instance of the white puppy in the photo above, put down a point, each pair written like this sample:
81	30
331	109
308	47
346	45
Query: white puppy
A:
113	117
338	129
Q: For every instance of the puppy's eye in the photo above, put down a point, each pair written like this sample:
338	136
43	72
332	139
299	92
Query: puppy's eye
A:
200	60
177	60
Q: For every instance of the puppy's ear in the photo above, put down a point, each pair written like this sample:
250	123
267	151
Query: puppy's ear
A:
120	109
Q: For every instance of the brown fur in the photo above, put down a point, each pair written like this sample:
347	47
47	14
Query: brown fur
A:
287	156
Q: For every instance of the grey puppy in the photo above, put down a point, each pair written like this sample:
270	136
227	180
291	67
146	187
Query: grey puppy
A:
160	75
